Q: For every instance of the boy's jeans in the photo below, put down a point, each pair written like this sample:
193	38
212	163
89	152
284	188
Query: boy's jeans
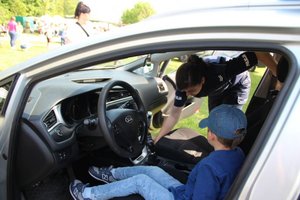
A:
149	181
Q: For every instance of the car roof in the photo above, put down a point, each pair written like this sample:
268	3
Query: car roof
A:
265	14
248	16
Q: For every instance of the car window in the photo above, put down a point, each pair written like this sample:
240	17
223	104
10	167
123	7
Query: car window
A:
3	95
177	61
147	68
116	63
5	87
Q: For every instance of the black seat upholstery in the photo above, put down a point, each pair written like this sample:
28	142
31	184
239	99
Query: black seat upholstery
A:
257	117
183	145
256	120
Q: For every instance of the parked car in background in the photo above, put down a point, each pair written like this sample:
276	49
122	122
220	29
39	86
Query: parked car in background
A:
73	107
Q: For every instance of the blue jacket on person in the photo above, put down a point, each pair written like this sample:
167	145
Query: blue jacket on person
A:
212	177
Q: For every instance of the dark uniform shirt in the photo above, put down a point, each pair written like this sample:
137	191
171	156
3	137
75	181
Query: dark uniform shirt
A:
225	83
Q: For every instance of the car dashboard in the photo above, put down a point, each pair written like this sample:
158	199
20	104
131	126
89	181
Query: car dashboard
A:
62	110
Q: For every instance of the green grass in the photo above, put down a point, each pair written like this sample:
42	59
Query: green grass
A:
11	57
17	56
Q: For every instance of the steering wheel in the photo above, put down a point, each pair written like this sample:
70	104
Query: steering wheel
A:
125	129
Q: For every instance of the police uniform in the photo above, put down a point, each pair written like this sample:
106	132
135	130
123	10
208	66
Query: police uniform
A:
227	83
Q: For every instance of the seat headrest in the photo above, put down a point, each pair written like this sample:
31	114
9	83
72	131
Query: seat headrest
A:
282	69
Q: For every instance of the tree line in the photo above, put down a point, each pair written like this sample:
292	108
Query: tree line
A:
64	8
9	8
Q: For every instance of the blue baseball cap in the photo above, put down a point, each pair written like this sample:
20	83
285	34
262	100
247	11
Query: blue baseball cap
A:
224	121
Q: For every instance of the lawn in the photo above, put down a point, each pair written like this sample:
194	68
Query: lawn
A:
10	57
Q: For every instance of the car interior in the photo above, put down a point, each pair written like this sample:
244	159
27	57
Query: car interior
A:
75	120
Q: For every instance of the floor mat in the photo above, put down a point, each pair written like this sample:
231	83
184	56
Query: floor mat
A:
56	187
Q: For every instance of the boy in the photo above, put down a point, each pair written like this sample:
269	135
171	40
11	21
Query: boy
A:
211	178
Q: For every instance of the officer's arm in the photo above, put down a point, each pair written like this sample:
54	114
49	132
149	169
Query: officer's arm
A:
268	60
169	122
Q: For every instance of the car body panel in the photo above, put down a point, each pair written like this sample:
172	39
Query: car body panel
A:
270	171
278	152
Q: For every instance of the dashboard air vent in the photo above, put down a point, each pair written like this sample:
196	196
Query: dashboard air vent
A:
50	120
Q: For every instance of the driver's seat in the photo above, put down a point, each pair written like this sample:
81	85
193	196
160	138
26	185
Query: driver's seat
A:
183	145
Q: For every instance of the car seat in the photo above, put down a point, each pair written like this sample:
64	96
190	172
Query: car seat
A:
257	117
183	145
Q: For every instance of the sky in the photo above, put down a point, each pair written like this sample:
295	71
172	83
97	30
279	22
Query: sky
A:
112	10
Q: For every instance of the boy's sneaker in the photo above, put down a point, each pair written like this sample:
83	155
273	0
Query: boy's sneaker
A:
102	174
76	189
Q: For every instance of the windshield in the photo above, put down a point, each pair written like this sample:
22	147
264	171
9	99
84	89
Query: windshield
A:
116	63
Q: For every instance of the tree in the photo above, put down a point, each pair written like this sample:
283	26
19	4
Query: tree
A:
140	11
69	7
36	8
60	7
5	14
14	7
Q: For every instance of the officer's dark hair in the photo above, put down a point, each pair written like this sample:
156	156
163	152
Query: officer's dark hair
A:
81	8
190	73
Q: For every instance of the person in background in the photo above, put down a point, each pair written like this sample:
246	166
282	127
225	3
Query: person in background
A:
62	34
24	45
82	28
211	178
226	84
3	29
20	29
12	31
49	34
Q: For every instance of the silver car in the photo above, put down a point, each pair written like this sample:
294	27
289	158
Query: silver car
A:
60	111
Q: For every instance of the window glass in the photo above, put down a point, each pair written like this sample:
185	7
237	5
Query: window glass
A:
146	69
117	63
177	61
4	89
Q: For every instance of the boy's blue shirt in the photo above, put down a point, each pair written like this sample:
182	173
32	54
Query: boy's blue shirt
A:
212	177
